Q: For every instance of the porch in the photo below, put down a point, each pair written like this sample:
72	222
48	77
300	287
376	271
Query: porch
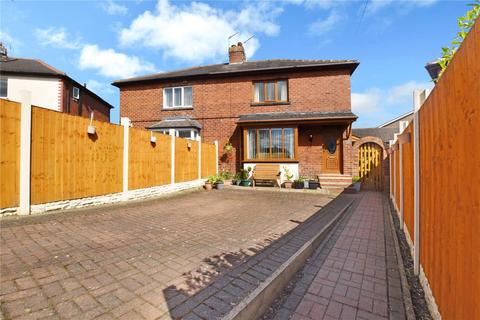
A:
316	145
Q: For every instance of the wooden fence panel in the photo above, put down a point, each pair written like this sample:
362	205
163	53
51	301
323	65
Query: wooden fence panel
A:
186	160
408	192
209	154
67	163
9	153
149	163
397	178
450	184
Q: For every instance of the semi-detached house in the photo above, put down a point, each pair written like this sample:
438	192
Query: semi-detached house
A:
296	113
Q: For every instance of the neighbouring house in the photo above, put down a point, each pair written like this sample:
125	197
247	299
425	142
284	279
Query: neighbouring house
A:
295	113
50	88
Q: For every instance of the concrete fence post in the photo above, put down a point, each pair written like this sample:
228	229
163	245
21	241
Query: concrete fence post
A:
419	97
199	141
126	123
216	156
171	132
25	151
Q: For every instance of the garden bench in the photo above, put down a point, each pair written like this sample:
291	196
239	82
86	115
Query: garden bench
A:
266	172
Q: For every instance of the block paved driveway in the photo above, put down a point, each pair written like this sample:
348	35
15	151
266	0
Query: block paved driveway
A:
115	262
355	275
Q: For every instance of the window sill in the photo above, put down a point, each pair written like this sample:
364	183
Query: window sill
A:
271	161
260	104
176	108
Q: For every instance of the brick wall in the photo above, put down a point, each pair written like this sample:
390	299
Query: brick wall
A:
218	103
89	102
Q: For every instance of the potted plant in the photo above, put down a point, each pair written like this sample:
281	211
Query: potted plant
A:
299	183
357	183
210	182
228	148
288	175
219	184
245	175
314	184
227	177
236	179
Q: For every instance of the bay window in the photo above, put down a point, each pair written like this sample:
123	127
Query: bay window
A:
270	144
177	97
270	91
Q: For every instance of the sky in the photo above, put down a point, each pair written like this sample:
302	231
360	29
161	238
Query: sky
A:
97	42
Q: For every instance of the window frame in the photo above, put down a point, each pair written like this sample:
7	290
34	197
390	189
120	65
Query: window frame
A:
3	78
270	159
182	106
276	93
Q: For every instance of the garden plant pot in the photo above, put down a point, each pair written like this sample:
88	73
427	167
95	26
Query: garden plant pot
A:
208	186
313	185
245	183
299	185
220	186
357	186
288	184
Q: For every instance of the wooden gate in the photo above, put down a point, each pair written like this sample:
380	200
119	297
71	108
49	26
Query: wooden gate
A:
370	166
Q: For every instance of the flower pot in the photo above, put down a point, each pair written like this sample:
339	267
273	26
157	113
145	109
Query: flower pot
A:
208	186
288	184
313	185
357	186
299	185
245	183
220	185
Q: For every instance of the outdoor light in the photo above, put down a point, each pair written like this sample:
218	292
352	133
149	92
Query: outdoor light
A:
91	129
189	145
310	137
153	139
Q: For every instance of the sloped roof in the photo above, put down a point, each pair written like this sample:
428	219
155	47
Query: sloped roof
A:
287	116
28	66
176	122
385	134
244	67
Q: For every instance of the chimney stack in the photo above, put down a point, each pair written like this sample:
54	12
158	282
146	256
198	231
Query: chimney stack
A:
236	53
3	52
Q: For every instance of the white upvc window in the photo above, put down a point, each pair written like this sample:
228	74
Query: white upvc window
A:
177	97
187	133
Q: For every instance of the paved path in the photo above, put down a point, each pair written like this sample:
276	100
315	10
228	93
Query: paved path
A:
116	262
348	278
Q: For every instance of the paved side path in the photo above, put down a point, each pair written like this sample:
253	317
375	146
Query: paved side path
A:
352	281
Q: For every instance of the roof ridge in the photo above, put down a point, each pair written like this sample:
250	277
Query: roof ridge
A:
49	66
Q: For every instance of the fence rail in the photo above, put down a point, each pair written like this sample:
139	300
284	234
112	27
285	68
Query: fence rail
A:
443	231
67	163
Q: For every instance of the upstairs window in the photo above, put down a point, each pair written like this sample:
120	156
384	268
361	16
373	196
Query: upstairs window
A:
270	91
177	97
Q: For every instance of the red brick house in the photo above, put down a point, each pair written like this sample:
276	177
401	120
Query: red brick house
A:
50	88
296	113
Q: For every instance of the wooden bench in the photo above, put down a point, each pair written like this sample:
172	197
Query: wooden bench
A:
266	172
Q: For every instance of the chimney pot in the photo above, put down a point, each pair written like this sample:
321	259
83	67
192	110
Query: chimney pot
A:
236	53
